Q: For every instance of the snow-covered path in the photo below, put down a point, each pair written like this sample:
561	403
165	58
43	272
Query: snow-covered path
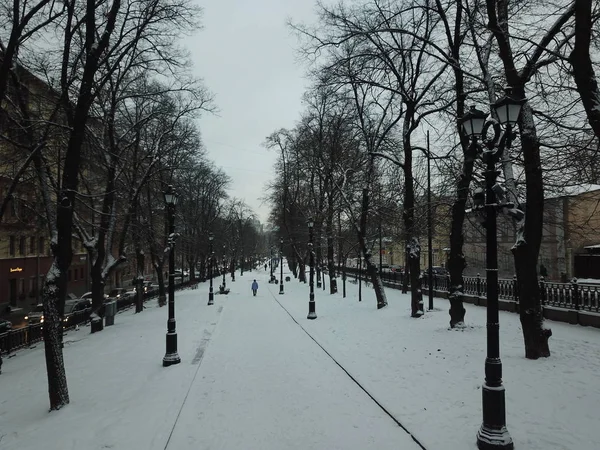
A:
253	375
265	384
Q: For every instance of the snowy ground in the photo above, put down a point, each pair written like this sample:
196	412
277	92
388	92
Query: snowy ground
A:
252	378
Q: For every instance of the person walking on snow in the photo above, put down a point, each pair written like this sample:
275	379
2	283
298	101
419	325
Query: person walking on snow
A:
254	287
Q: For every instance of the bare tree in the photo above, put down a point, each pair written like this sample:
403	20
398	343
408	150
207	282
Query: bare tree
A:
527	247
583	68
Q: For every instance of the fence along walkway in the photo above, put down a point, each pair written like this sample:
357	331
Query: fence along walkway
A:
27	336
568	296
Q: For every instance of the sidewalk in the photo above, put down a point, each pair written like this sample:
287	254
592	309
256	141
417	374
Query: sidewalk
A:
264	384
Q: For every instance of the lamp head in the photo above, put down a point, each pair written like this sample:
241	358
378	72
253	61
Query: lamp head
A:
170	195
473	122
508	108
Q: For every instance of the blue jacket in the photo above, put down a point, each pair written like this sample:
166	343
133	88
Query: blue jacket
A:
254	286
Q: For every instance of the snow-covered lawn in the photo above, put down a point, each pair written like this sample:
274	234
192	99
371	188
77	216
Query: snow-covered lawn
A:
430	377
121	396
250	378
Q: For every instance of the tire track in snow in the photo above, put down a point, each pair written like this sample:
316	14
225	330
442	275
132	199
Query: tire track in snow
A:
413	437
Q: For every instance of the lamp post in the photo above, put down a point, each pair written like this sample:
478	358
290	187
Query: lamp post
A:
211	295
281	266
429	228
312	314
271	264
224	268
493	433
171	356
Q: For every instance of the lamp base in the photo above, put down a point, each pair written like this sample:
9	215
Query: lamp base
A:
494	439
493	434
312	315
171	356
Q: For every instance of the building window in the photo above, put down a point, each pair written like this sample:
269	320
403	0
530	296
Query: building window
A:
75	271
22	245
32	244
12	246
81	273
69	275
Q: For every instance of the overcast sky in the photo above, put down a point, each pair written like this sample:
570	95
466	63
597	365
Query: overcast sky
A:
246	56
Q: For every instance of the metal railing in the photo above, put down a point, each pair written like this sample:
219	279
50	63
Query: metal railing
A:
25	337
573	295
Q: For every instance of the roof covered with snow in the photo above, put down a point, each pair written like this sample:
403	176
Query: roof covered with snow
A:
571	191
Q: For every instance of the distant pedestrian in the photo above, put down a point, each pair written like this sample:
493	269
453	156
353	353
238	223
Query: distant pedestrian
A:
254	287
265	267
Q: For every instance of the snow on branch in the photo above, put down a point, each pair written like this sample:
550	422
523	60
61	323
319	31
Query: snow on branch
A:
389	158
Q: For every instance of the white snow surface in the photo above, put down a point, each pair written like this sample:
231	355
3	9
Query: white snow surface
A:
251	377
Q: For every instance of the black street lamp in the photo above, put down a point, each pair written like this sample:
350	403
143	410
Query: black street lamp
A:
171	356
211	295
224	268
281	266
493	433
312	314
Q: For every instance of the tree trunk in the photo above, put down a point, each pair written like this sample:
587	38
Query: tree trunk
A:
331	266
330	243
162	295
413	247
583	70
97	293
535	334
318	259
406	275
301	272
53	338
456	261
362	232
371	268
139	281
529	238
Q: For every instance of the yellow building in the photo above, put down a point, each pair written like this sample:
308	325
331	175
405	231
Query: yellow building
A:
571	223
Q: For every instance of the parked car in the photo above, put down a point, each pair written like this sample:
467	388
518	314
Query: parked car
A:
72	307
5	325
396	268
88	295
36	315
147	286
121	293
437	271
